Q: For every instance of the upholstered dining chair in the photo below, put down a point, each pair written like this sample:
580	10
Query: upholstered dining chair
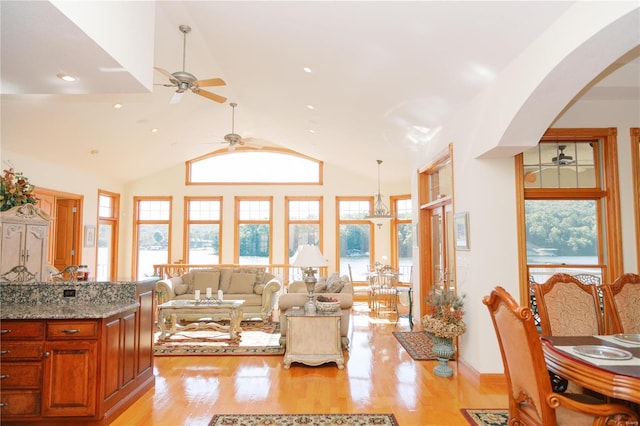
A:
567	307
622	303
531	399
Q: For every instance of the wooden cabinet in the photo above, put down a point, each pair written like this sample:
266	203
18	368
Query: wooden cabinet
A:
313	339
24	240
86	369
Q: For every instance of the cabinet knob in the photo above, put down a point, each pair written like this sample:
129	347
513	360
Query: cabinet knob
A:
4	376
47	354
5	331
4	352
3	404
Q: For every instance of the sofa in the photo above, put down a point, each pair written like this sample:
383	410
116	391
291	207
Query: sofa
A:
258	288
339	287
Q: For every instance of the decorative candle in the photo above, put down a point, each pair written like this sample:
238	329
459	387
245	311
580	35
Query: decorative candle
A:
197	296
219	294
208	292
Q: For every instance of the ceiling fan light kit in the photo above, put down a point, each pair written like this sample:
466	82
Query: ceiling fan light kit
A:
184	81
380	213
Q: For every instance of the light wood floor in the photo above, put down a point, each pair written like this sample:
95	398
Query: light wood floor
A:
379	377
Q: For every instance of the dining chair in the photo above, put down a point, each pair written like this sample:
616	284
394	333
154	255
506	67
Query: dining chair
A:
385	292
567	307
622	303
531	399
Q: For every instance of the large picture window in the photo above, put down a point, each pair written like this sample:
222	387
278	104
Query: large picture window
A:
203	224
152	233
253	230
354	236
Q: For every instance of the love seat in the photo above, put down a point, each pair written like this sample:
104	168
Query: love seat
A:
338	287
258	288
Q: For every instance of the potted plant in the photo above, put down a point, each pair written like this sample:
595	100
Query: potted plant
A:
15	190
443	322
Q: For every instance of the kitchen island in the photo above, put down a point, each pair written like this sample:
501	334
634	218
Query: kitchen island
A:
74	352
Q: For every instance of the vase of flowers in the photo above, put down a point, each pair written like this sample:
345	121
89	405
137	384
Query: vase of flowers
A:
443	322
15	190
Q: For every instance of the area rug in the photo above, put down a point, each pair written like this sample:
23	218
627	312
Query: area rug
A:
303	419
484	417
257	338
417	343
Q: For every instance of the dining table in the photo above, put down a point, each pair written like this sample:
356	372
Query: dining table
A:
603	369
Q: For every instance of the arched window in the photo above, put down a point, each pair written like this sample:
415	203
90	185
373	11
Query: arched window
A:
254	166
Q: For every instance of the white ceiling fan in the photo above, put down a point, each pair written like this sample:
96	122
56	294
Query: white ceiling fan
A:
233	139
183	80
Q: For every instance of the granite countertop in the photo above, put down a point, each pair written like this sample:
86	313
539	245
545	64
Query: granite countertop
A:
66	311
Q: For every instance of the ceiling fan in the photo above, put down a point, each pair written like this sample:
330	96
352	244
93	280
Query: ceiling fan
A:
562	159
183	80
234	139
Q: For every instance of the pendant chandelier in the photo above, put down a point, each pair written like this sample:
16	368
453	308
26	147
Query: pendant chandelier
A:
380	211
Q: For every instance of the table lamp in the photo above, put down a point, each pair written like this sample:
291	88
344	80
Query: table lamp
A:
307	258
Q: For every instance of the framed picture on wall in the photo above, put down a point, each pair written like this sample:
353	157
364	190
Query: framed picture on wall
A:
89	236
461	226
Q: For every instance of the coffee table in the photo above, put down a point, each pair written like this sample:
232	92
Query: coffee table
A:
225	309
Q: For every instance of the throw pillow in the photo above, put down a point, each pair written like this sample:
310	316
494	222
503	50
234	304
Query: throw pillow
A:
258	288
334	283
242	283
321	287
225	279
202	280
259	273
180	289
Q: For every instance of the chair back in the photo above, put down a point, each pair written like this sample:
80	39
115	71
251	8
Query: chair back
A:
568	307
523	359
622	303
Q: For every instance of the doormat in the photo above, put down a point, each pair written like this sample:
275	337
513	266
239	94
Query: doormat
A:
256	338
417	343
484	417
303	419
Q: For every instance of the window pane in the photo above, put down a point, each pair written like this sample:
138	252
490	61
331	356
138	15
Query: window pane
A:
254	244
354	250
354	210
304	210
405	244
204	240
105	208
152	248
301	234
105	248
561	165
204	210
561	232
153	210
403	209
255	210
440	182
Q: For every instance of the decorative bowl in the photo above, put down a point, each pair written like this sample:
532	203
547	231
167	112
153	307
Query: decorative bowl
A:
327	306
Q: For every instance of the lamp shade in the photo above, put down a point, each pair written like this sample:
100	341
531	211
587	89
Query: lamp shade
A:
308	256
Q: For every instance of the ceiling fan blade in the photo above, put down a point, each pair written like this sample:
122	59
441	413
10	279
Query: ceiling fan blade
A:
211	82
164	72
176	98
209	95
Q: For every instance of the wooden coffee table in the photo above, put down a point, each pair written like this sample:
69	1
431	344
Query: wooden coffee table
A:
313	339
225	309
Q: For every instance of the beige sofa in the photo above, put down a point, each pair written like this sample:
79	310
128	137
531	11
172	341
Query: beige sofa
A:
333	286
258	288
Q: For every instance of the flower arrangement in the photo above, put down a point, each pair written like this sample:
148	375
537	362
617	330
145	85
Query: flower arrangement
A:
444	315
15	190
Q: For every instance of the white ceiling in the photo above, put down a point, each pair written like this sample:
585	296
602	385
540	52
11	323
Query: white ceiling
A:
383	73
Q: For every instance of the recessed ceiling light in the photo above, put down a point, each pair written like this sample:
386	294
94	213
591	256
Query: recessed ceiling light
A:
312	131
117	106
311	107
66	77
154	130
306	69
94	152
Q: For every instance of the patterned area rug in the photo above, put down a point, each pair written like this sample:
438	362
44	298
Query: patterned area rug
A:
483	417
303	419
417	343
257	338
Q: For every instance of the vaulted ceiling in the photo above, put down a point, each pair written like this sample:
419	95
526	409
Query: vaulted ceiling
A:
383	76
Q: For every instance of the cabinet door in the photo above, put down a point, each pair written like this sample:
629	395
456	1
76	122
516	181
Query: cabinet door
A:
145	332
13	238
35	257
69	385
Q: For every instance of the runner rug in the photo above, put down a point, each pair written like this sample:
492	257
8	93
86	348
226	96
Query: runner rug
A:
303	419
484	417
257	338
417	343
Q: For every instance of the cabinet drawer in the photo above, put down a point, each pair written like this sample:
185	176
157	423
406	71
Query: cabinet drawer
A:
20	375
23	351
19	403
72	329
10	330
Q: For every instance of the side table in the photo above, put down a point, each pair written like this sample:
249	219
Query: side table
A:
313	339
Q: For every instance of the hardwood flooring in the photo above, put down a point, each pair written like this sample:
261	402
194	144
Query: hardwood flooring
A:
379	377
